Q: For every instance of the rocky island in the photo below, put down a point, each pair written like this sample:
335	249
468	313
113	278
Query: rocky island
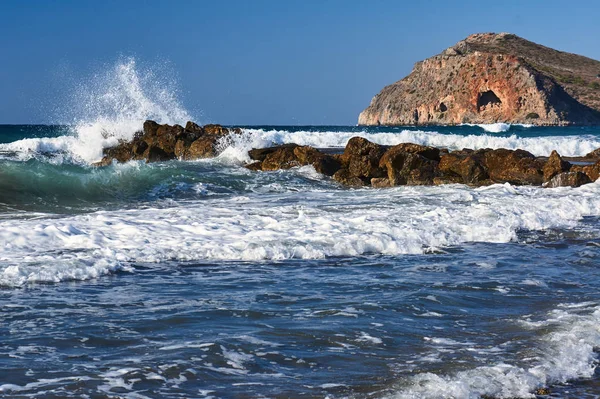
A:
362	162
489	78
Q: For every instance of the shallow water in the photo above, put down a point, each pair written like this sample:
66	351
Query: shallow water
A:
203	279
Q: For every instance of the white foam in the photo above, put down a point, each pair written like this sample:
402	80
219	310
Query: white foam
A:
564	354
574	145
284	225
492	127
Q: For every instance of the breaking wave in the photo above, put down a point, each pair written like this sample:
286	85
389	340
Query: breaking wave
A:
107	107
564	354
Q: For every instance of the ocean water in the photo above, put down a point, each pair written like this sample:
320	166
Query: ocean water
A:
203	279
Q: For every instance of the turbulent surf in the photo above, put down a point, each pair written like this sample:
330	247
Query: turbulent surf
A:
205	279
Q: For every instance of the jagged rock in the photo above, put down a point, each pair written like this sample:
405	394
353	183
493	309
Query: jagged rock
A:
380	182
489	78
361	158
432	153
517	167
215	130
348	179
289	155
255	166
463	167
554	166
592	171
164	142
408	168
259	154
203	147
568	179
324	164
594	154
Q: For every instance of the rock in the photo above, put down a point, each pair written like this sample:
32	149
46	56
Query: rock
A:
348	179
203	147
516	167
324	164
282	158
156	154
425	151
408	168
361	158
543	391
594	154
568	179
463	167
380	182
489	78
254	166
192	127
215	130
554	166
259	154
592	171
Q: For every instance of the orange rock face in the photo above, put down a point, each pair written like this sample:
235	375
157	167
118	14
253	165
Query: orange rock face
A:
483	80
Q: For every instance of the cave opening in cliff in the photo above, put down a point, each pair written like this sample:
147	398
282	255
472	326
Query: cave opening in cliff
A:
443	107
487	99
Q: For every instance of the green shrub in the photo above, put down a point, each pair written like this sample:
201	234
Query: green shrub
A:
532	115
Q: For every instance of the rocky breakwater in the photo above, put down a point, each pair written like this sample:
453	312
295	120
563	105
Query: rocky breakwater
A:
364	163
165	142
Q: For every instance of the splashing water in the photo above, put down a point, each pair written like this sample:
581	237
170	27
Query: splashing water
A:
108	107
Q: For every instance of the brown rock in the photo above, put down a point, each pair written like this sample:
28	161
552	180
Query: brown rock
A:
517	167
408	168
593	171
323	163
254	166
203	147
215	130
361	158
568	179
380	182
594	154
192	127
155	153
259	154
554	166
348	179
423	150
281	158
461	167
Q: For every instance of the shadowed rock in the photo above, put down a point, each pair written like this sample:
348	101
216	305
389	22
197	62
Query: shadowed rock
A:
568	179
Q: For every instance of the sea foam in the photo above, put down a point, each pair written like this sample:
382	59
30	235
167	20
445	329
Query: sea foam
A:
285	225
565	353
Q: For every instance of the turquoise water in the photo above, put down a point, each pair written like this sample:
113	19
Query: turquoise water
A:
203	279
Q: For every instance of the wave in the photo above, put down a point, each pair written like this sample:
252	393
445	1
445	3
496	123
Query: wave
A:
107	107
566	353
273	224
539	146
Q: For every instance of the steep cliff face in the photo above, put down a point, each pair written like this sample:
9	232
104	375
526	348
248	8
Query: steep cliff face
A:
489	78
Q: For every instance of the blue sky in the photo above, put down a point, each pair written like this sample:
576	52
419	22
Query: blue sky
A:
258	62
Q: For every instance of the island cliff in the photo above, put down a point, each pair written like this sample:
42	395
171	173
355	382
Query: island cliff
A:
490	78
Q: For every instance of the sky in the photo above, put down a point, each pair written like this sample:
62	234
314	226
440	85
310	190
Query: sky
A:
257	62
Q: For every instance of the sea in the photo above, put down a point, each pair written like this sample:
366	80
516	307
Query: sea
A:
202	279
